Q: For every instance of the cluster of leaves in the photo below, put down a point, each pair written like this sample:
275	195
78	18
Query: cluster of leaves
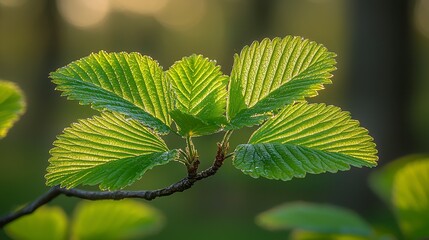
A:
139	102
12	106
268	85
127	219
402	184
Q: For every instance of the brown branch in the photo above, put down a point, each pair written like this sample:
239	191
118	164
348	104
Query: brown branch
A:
179	186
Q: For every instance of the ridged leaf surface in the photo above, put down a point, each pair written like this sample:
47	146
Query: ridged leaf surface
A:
109	150
200	89
129	83
273	73
306	138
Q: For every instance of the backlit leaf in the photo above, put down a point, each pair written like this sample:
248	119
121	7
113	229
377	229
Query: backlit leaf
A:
306	138
273	73
200	89
109	150
128	83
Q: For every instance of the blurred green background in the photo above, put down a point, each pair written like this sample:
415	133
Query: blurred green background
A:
382	79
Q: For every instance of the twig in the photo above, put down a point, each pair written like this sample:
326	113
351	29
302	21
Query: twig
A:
179	186
30	208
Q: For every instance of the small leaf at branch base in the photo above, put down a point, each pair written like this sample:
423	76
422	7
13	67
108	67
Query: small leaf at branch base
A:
45	223
273	73
125	219
109	150
12	105
189	125
306	138
315	218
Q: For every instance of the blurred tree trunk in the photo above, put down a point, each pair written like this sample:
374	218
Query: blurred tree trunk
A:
380	73
262	11
49	60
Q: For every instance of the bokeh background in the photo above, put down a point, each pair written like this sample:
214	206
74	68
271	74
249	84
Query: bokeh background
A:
382	78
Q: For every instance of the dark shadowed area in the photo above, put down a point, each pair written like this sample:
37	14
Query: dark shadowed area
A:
382	79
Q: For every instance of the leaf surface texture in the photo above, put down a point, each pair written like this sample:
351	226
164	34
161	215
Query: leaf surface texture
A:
128	83
270	74
306	138
200	90
109	150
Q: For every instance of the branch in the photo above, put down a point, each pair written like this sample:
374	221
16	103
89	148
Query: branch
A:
30	208
179	186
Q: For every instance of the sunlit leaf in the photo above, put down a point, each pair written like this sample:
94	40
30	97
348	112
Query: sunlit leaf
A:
273	73
200	89
109	150
306	138
12	105
410	196
125	219
47	223
128	83
315	218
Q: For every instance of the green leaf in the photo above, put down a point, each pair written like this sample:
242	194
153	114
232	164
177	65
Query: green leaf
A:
410	195
200	89
109	150
194	126
45	223
315	218
12	105
128	83
306	138
305	235
125	219
273	73
381	180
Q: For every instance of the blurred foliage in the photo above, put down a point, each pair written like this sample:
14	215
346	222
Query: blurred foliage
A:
47	222
407	193
12	105
126	219
314	218
402	184
303	235
381	182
